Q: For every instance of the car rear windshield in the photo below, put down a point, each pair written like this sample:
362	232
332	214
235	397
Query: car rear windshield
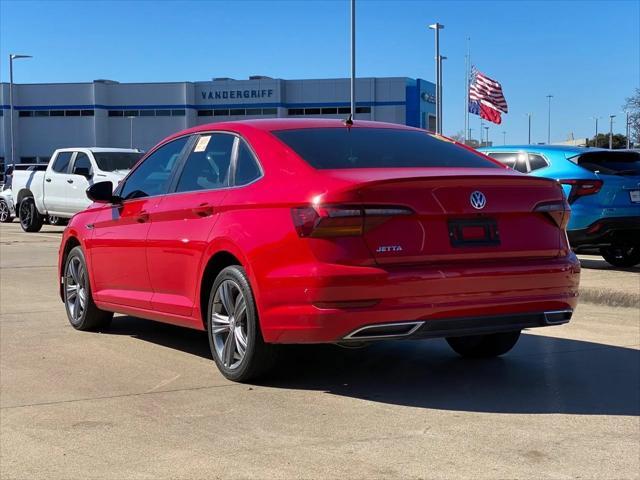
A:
111	161
329	148
610	162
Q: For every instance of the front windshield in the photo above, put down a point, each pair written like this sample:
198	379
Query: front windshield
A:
111	161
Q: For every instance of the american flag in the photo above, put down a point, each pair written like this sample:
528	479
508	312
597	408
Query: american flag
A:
485	97
486	90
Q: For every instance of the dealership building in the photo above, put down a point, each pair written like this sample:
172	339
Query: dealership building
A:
107	113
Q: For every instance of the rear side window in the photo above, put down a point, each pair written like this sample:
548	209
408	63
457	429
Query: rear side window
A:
247	169
208	164
536	162
328	148
514	160
61	163
610	162
153	175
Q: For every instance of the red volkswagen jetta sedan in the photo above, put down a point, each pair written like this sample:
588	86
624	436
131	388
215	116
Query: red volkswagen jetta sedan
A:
307	231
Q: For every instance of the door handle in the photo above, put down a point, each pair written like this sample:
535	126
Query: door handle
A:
69	180
142	217
47	180
203	210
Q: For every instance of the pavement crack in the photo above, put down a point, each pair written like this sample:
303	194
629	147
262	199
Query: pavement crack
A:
109	397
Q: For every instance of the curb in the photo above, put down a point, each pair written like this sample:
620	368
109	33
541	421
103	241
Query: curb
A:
609	297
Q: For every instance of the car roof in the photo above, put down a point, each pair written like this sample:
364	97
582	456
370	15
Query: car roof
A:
275	124
541	148
100	149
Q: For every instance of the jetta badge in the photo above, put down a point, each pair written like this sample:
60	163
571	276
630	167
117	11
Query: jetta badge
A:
478	200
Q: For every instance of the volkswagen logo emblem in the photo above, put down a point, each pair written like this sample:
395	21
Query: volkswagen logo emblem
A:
478	200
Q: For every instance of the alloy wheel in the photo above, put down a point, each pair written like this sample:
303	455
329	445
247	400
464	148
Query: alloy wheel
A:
75	288
4	211
229	324
25	213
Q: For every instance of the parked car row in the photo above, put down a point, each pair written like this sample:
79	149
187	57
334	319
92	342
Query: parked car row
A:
602	187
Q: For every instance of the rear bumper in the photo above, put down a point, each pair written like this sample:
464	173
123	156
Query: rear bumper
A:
458	327
445	300
605	232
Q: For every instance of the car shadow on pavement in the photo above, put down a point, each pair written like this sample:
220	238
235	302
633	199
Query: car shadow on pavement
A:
601	264
541	375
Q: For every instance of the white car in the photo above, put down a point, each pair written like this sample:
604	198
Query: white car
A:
59	191
7	208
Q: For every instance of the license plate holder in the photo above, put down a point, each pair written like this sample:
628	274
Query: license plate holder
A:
472	232
634	196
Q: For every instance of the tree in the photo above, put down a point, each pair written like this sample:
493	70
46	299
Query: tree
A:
458	137
632	106
619	141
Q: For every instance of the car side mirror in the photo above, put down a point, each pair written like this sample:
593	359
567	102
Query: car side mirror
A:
102	192
84	171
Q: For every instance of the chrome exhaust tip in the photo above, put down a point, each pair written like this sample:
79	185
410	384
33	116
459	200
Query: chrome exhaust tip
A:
557	317
382	331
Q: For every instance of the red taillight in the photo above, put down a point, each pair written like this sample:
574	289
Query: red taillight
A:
558	211
341	221
580	188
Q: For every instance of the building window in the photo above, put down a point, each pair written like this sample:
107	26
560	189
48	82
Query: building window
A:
56	113
296	111
41	113
25	113
269	111
312	111
131	113
87	113
329	111
115	113
205	113
343	110
72	113
147	113
254	111
221	112
236	111
363	109
1	112
27	159
178	113
163	113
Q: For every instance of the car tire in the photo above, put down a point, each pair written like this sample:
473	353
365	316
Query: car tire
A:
621	256
78	301
484	346
5	213
30	218
233	328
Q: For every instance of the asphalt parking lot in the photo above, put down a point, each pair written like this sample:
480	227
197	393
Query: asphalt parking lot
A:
146	401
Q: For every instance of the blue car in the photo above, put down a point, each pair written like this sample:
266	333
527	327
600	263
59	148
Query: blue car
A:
602	187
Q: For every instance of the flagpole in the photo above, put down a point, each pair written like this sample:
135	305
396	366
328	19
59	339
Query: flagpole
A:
466	90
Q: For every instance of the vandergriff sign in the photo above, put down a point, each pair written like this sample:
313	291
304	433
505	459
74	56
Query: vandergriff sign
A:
235	94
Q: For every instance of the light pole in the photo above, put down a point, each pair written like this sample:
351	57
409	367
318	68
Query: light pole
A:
628	131
487	136
529	115
131	131
595	138
611	117
437	27
469	137
12	57
549	97
442	57
504	137
353	59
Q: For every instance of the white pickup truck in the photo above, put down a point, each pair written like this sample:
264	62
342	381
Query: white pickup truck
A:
60	190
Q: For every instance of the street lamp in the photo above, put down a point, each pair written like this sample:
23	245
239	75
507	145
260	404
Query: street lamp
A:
611	117
12	57
628	131
549	97
529	116
131	131
504	137
595	138
437	27
487	136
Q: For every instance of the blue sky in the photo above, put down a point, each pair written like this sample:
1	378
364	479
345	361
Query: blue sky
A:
585	53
